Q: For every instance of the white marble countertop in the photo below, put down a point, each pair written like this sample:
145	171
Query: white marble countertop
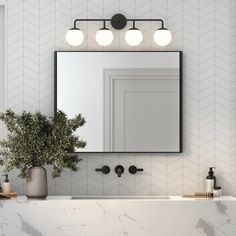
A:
130	216
124	198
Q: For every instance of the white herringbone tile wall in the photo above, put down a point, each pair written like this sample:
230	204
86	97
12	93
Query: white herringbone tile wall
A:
205	30
2	130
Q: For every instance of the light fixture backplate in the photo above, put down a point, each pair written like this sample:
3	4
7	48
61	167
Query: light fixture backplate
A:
118	21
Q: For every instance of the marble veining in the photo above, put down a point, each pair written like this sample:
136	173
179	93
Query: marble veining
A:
222	208
207	228
118	217
28	228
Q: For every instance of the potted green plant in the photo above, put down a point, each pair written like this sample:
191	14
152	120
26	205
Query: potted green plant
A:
34	141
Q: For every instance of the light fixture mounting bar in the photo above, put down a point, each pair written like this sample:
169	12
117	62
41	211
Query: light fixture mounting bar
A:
162	22
77	20
119	21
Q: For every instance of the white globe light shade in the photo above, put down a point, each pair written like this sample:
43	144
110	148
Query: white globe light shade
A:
133	37
104	37
74	37
162	37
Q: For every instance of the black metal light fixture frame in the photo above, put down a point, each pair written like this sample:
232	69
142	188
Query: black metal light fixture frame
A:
119	21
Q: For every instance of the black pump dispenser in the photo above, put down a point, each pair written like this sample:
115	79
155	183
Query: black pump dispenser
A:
211	172
211	175
6	179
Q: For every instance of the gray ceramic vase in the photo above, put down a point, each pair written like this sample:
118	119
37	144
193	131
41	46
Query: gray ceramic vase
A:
36	183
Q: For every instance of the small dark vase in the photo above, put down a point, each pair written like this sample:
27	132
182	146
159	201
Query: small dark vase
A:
36	182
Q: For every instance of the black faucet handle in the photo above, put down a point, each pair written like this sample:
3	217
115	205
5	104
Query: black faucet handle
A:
119	170
134	169
105	169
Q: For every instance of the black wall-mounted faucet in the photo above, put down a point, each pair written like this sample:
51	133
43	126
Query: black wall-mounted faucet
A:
105	169
133	170
119	170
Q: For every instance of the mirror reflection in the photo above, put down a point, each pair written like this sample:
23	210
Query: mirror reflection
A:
130	100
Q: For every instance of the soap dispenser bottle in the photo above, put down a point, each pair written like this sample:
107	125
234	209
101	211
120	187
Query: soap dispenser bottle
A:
6	186
210	181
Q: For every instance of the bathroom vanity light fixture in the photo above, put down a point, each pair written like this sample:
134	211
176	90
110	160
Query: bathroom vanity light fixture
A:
104	36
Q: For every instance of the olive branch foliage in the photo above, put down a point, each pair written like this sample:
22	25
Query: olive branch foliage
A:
35	139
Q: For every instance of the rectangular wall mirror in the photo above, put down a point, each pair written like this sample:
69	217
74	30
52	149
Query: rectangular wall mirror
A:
131	101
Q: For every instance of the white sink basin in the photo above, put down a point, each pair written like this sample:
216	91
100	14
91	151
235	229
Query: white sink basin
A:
119	197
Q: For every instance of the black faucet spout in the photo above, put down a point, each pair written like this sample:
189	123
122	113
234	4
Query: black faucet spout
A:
119	170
